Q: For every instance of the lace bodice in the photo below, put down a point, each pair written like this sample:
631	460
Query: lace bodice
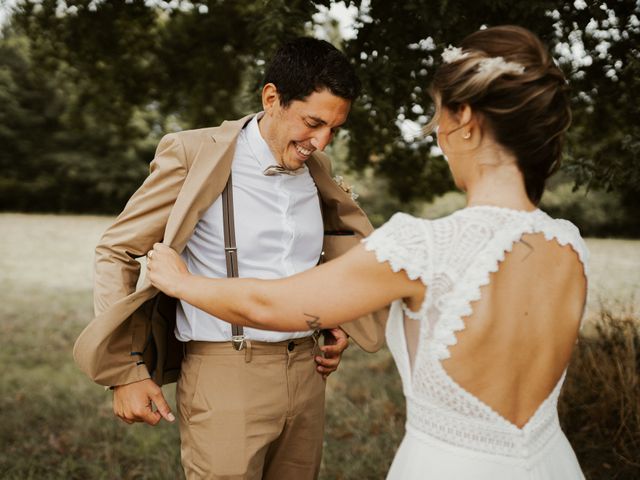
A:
454	256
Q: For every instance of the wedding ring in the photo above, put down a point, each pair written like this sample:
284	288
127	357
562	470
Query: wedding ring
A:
150	254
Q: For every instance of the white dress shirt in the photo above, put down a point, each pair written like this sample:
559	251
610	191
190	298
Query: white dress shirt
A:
279	232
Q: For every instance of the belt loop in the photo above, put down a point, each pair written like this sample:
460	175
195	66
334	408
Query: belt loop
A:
247	351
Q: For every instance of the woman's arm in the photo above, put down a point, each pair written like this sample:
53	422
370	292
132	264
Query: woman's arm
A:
323	297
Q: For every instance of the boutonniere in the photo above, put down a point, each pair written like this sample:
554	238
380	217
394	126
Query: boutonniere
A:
348	189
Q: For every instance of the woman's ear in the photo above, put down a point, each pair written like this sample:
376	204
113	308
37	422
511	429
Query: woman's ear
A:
470	123
465	116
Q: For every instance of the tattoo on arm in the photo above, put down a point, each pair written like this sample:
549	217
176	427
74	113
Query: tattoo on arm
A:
314	323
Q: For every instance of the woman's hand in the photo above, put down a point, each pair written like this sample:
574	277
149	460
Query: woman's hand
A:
166	270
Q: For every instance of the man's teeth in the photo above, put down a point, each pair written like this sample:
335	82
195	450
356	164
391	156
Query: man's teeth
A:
303	151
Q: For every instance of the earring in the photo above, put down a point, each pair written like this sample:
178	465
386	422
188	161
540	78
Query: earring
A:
467	135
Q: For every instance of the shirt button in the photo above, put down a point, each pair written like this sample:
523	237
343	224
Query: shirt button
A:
291	346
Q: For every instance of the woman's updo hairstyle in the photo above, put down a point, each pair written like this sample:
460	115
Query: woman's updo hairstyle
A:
507	75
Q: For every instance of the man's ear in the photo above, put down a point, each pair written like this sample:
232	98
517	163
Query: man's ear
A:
270	97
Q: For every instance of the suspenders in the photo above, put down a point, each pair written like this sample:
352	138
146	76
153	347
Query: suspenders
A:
231	253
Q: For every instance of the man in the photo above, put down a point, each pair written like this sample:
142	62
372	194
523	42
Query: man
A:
255	408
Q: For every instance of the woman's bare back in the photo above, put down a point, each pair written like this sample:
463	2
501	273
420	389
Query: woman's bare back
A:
518	341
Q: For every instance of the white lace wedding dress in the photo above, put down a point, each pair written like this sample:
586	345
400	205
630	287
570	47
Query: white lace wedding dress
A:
451	434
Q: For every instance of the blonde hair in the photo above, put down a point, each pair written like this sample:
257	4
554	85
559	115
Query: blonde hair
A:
508	76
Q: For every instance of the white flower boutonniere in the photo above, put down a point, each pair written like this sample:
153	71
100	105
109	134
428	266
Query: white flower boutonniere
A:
348	189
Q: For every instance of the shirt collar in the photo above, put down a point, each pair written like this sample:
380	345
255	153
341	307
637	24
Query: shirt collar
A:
261	151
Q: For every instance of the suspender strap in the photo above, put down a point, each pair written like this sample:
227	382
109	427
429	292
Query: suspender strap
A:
231	253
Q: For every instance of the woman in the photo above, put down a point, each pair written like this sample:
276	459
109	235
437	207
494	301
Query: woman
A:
487	302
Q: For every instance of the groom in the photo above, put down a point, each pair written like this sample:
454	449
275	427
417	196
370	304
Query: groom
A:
253	410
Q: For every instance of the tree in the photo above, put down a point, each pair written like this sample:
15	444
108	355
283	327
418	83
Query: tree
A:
104	80
112	76
398	47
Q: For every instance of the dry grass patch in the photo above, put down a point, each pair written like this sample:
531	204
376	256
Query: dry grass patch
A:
600	403
56	424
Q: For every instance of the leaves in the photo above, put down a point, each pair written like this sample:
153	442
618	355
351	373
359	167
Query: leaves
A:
91	88
396	54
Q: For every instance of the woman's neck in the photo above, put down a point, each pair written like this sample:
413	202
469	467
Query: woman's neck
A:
497	181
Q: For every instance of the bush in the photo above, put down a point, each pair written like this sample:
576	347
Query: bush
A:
599	407
596	213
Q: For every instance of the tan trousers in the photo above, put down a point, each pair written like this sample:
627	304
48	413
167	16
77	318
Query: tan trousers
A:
252	414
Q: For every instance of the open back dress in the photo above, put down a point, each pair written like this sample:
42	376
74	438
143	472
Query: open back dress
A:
450	432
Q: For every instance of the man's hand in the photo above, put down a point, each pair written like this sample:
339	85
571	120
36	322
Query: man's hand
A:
335	342
134	403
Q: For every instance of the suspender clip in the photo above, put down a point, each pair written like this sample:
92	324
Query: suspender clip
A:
238	342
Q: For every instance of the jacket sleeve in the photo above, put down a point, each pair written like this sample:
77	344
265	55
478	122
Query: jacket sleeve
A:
139	226
341	213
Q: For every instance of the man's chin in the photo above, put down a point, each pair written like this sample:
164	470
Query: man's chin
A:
294	164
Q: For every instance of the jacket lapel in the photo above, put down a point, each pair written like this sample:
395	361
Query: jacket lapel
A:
205	181
340	212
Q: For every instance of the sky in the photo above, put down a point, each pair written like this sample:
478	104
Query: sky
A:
4	6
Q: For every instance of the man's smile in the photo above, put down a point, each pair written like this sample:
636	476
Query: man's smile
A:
304	152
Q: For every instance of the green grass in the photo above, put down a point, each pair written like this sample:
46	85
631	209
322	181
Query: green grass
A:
56	424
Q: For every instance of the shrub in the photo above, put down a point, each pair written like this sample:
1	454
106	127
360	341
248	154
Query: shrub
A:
596	213
599	406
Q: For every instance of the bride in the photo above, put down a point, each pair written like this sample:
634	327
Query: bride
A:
486	303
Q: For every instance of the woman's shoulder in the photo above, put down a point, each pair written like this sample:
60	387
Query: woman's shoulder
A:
403	241
403	219
505	222
564	232
417	235
559	224
401	227
479	219
425	231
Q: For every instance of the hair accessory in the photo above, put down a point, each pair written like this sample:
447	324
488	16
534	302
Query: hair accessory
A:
493	64
453	54
486	65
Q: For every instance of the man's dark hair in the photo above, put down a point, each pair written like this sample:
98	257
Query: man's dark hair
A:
306	65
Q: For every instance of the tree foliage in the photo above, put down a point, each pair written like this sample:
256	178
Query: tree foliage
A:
87	87
398	45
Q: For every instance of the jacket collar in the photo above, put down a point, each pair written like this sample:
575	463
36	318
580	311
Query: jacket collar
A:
204	182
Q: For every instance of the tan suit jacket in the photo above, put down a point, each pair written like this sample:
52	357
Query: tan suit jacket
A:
131	337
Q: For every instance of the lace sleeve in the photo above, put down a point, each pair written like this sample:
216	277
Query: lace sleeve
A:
403	243
568	234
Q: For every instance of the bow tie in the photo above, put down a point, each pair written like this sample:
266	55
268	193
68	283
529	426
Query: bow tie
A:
272	170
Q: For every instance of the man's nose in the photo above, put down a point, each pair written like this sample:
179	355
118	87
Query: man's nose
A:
321	139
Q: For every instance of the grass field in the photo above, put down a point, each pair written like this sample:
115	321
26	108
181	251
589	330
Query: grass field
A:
56	424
